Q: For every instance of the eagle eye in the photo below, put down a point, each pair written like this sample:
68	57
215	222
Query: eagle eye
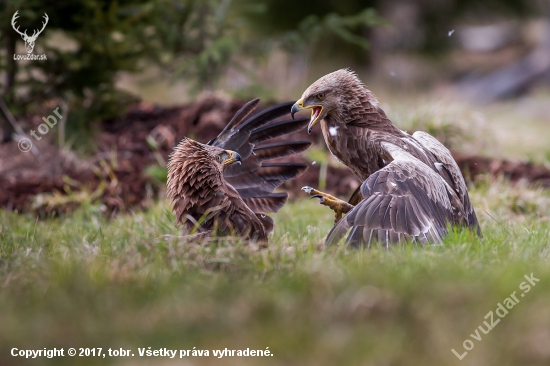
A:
321	96
219	158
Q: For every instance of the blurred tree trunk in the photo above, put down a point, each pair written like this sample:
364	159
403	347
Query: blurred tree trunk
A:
11	70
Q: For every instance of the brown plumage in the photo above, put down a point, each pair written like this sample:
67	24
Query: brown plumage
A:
227	184
412	187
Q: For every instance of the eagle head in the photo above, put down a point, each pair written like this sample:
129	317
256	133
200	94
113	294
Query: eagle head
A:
195	168
333	94
191	155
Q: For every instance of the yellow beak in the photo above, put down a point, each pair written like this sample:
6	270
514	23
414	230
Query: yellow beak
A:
234	157
316	111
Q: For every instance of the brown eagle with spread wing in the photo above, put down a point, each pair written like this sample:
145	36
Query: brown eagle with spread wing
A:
412	187
226	185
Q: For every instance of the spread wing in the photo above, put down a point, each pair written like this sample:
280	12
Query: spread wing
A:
449	170
404	201
253	138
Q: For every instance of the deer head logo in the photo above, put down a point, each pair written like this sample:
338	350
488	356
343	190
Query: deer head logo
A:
29	40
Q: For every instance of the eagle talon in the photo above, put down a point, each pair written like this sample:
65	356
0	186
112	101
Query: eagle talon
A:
337	205
321	198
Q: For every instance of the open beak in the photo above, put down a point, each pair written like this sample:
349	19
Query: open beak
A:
297	107
234	157
316	111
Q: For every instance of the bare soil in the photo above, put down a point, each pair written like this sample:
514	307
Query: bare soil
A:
146	136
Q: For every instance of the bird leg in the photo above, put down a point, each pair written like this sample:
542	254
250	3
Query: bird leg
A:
337	205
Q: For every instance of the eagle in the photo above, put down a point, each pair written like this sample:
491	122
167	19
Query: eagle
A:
412	188
226	185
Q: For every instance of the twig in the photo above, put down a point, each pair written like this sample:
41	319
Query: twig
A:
529	231
498	222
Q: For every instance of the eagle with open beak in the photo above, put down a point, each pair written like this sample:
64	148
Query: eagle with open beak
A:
412	187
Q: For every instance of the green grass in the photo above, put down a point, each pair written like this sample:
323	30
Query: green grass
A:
87	281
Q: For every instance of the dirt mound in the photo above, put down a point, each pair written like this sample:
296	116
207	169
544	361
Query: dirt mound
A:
145	137
473	166
23	175
117	174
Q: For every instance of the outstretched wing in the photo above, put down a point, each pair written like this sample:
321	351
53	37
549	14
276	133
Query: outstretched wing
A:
449	170
257	176
404	201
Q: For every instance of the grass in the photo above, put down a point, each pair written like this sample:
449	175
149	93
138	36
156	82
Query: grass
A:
87	281
516	129
520	128
84	280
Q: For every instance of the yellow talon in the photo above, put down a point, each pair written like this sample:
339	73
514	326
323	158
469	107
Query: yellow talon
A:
337	205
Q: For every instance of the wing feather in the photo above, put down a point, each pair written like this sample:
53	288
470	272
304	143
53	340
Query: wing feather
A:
280	149
278	129
236	133
237	202
257	177
270	202
449	171
403	200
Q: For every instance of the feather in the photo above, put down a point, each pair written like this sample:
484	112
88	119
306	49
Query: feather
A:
222	139
266	116
267	222
278	129
271	202
248	165
267	174
411	185
280	149
397	201
242	114
356	197
355	235
283	171
234	136
208	197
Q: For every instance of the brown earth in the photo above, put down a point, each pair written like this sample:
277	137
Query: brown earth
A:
115	174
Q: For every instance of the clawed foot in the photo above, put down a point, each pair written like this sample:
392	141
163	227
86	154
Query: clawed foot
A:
337	205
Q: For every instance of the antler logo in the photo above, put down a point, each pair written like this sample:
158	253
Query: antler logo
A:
29	40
